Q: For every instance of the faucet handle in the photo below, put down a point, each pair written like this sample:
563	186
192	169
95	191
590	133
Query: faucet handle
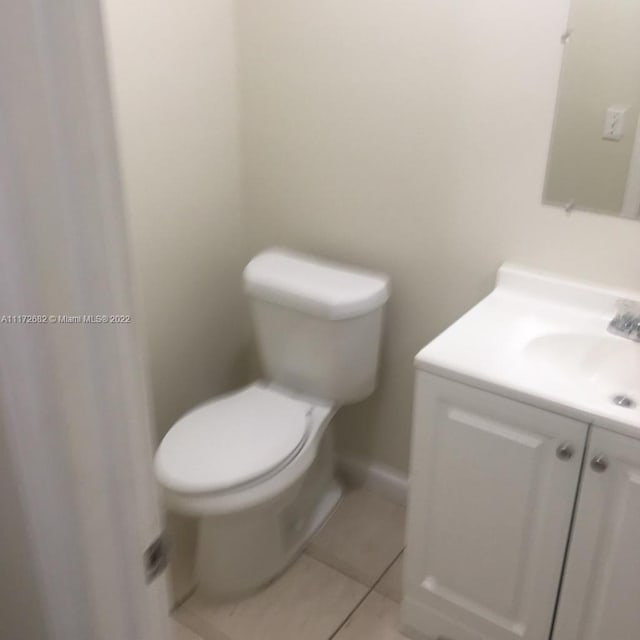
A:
626	307
626	322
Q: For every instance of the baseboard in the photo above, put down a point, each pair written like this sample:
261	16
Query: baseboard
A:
388	482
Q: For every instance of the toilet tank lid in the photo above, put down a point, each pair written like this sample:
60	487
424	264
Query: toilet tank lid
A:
318	287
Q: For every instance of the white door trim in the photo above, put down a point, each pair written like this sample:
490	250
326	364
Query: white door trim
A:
73	397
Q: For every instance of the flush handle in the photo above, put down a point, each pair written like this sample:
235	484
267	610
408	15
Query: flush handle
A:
565	451
599	463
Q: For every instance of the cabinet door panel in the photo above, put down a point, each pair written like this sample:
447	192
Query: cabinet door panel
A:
600	597
489	513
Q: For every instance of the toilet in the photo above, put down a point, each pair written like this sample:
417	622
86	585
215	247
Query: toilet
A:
256	466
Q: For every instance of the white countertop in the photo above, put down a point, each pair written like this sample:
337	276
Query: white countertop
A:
508	344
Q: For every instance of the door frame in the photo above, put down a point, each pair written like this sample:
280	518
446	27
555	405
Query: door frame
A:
74	403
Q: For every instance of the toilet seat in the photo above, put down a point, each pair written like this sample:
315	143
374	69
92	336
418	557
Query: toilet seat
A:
233	441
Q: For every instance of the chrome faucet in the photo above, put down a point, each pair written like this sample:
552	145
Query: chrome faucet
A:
626	323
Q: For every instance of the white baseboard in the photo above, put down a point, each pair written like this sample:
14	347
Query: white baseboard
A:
384	480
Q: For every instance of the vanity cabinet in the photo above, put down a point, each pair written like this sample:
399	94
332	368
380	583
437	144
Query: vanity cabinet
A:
600	596
492	533
493	485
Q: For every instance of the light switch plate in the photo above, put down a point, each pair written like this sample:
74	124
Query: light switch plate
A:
614	123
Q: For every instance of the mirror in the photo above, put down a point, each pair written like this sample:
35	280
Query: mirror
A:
594	157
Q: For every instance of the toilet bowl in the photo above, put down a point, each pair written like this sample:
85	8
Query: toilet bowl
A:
242	464
256	466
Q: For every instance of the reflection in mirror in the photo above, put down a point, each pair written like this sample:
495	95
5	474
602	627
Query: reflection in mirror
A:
594	158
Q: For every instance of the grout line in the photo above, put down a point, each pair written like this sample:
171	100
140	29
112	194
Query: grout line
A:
364	597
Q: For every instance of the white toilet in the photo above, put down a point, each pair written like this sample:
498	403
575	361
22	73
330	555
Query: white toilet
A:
256	466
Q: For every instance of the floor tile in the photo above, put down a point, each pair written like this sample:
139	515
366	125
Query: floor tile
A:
308	602
180	632
377	618
202	629
362	537
391	583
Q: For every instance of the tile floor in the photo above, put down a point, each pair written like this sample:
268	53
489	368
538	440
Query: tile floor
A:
345	586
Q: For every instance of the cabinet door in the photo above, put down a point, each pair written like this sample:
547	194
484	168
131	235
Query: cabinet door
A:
600	598
492	490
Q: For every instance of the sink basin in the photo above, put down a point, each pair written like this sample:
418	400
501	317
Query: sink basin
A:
543	340
609	364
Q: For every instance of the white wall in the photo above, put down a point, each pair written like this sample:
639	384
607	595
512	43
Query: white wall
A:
601	69
174	80
412	137
405	136
174	84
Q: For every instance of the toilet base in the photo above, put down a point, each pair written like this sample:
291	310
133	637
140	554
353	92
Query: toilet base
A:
239	553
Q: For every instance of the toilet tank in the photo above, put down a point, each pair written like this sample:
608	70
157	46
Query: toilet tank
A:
318	324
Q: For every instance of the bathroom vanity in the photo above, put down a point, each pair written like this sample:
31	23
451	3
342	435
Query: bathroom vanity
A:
524	507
